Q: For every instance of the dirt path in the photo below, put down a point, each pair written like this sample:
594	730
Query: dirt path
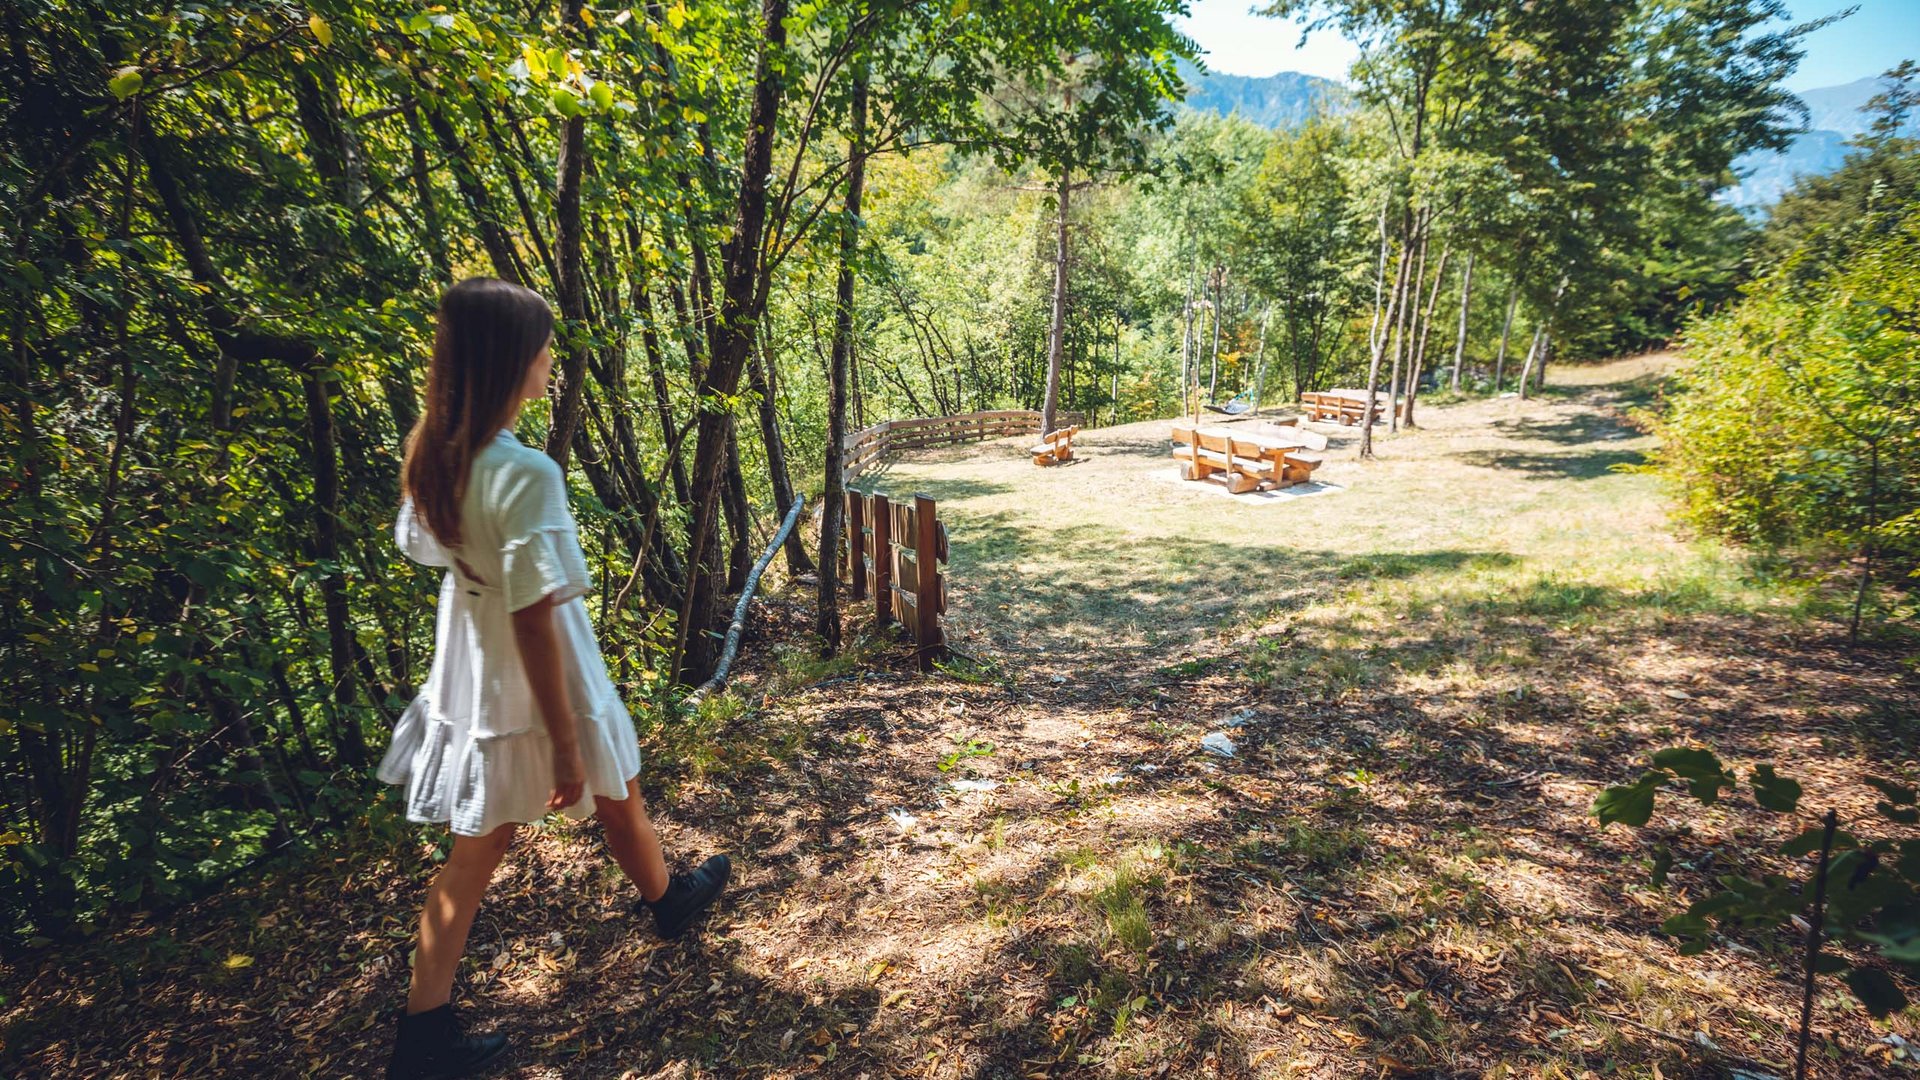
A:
1030	867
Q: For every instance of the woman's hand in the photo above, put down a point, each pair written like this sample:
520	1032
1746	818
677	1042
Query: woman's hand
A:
569	777
539	645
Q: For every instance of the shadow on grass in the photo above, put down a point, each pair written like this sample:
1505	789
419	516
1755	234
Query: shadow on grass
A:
1576	429
903	488
1587	465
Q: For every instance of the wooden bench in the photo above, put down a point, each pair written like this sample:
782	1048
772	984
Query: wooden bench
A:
1280	456
1346	406
1207	453
1055	446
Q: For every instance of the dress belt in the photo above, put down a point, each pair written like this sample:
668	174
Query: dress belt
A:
473	586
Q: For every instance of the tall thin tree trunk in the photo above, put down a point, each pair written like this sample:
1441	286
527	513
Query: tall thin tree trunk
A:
739	515
760	375
1260	357
1506	329
1403	335
657	376
571	264
827	619
333	587
1419	365
423	190
1460	343
740	308
1379	288
1186	346
1057	334
1213	370
1537	364
1526	370
1379	349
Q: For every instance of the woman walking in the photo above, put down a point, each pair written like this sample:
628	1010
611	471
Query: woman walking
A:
518	717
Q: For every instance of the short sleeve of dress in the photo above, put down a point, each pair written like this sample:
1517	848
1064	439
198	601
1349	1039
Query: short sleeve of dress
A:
416	541
540	554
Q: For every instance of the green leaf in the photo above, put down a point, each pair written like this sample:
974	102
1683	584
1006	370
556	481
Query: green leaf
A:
1703	772
1687	761
602	94
1662	865
1629	804
1773	791
1876	990
1897	794
126	82
566	103
1809	842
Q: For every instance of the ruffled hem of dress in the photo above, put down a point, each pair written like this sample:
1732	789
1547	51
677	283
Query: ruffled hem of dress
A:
545	561
477	783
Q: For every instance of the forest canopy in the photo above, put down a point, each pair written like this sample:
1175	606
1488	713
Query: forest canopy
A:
761	227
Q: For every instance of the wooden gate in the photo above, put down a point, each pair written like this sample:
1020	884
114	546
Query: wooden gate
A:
892	556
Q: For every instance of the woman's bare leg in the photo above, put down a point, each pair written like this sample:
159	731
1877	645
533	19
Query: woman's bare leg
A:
631	839
448	915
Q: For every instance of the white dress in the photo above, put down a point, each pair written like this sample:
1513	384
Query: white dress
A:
471	748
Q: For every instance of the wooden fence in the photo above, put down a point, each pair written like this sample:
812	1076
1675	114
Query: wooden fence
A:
866	447
892	556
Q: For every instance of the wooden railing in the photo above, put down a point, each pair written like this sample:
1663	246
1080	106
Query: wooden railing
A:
866	447
892	554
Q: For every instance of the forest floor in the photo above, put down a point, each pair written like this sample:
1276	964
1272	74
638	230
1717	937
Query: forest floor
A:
1027	865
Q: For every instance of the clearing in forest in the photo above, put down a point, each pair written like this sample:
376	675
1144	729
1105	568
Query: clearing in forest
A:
1028	866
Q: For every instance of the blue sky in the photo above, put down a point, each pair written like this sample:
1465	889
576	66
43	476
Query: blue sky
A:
1879	35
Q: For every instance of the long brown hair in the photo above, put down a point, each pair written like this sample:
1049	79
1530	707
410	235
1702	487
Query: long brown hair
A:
485	337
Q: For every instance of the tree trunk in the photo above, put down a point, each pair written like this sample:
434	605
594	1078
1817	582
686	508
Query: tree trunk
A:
1460	343
1213	369
1379	349
1186	348
739	516
1260	358
333	587
572	369
1506	329
506	263
1057	334
657	375
1526	371
760	373
827	618
436	242
1403	334
1418	367
740	307
1379	289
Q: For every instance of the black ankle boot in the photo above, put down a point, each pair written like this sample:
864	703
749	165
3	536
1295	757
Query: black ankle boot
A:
688	895
431	1046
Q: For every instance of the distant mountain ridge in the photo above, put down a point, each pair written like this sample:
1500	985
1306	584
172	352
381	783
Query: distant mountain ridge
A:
1287	98
1280	100
1833	117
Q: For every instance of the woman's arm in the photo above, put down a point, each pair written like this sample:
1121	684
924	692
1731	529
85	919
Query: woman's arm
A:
539	645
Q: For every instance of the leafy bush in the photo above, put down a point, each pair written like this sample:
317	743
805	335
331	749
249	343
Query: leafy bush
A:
1797	425
1863	890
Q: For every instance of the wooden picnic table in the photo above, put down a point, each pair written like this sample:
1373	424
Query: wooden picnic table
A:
1277	455
1345	406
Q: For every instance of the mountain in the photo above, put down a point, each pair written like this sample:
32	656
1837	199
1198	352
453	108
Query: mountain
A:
1833	117
1837	108
1276	101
